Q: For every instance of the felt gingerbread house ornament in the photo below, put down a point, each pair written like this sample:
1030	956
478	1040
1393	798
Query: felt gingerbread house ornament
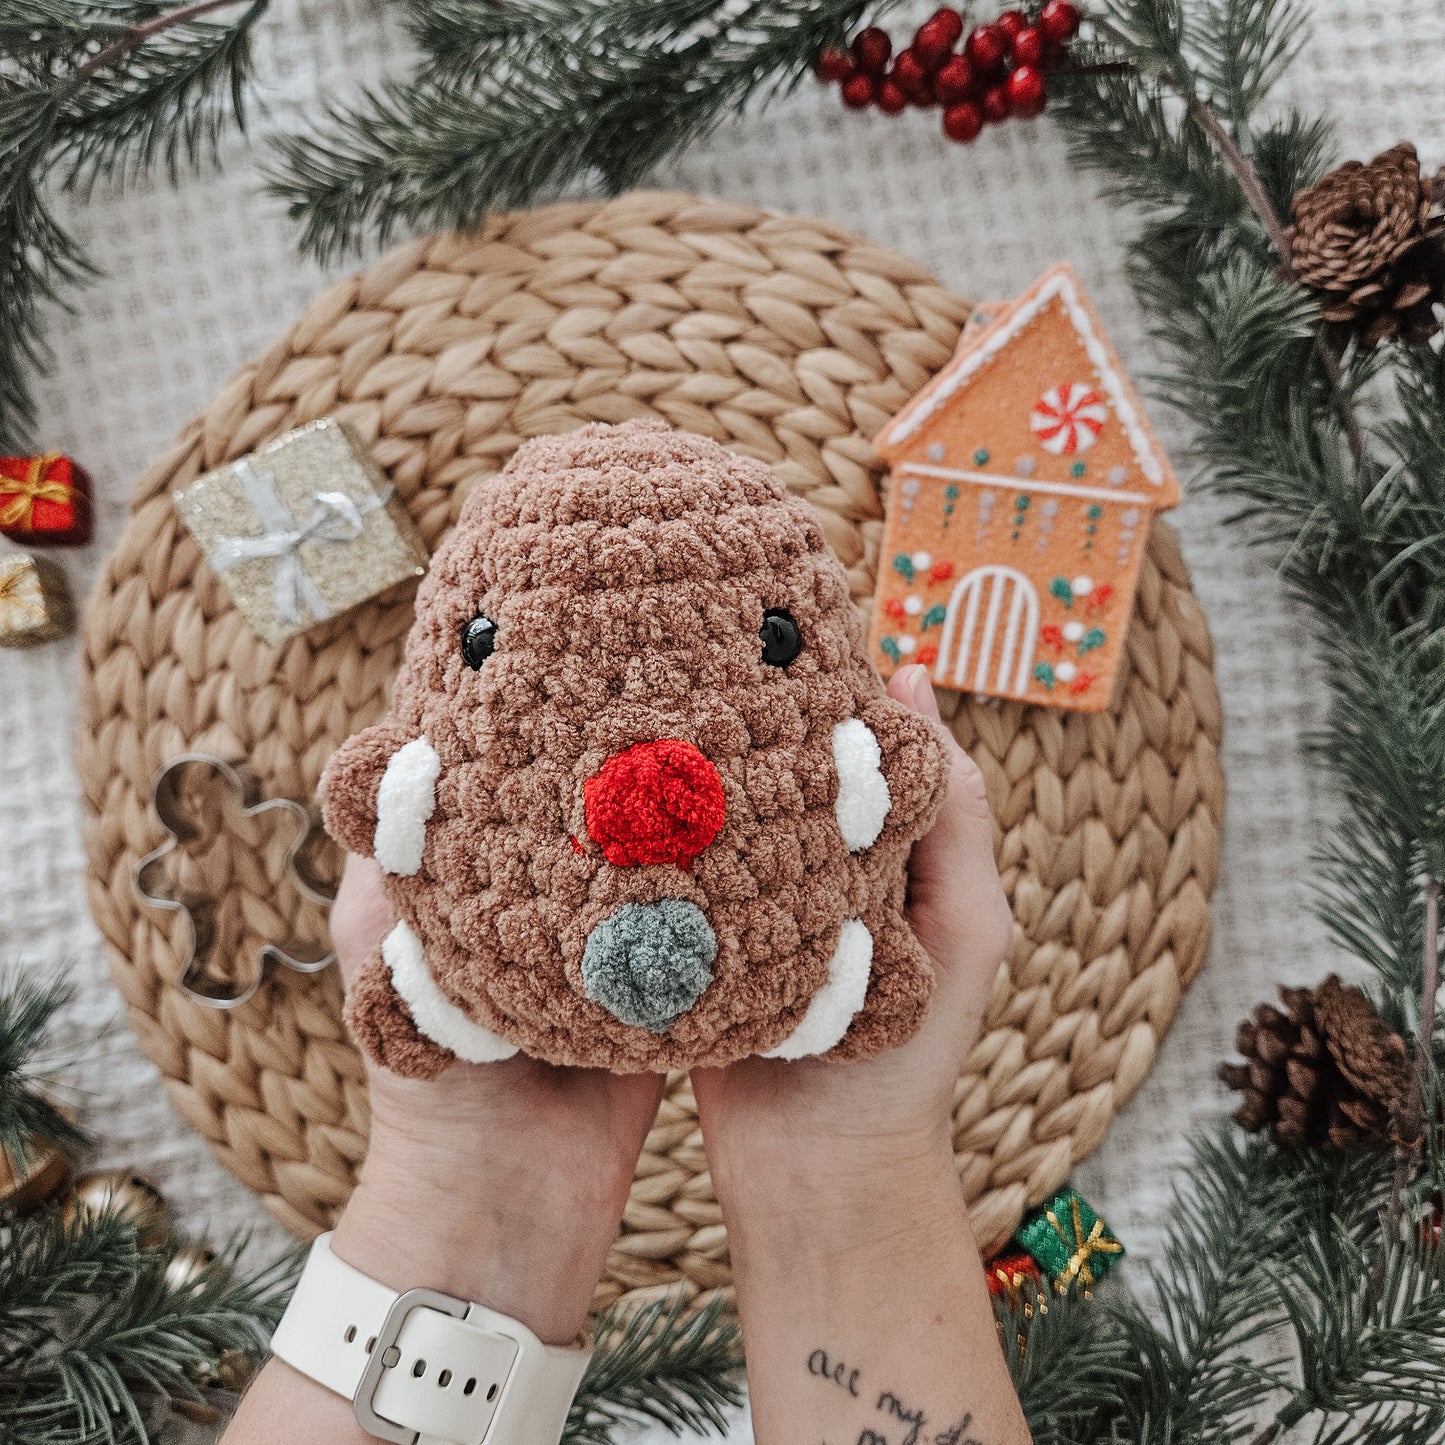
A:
1025	476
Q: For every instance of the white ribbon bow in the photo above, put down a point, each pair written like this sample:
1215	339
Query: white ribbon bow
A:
334	518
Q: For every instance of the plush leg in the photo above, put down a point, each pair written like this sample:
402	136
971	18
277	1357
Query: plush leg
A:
900	981
382	1024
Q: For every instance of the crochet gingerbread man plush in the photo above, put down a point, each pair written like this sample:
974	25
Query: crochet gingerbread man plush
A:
640	799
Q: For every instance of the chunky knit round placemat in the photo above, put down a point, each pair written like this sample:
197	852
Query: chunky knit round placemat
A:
786	338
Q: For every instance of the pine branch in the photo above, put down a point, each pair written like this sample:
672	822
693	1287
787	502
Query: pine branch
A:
1368	563
1072	1365
90	1328
163	92
511	104
27	1013
34	31
1246	48
1243	49
1360	1347
138	34
665	1363
1357	523
1382	1425
98	90
1414	1121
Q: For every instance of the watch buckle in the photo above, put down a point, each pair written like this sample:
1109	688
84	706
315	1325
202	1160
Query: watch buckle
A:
377	1366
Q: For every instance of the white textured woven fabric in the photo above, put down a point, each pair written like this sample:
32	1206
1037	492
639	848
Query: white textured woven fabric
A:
198	279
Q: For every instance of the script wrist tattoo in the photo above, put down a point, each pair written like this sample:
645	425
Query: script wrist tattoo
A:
890	1419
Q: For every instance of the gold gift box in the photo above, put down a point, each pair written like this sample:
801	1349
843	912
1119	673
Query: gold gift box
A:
34	600
302	529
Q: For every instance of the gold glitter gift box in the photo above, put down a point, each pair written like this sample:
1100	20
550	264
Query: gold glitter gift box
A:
302	529
34	600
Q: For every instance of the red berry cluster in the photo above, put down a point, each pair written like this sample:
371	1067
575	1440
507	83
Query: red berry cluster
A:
999	71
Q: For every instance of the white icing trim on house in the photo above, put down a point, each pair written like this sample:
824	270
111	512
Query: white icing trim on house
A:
1058	287
1028	484
832	1008
434	1014
863	797
404	804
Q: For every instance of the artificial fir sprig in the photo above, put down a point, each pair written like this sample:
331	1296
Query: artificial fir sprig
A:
1361	545
1356	516
511	102
28	1010
93	1335
665	1362
92	90
91	1331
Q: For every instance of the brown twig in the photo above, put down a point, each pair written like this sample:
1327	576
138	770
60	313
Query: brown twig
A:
138	34
1101	67
1204	116
1412	1115
1242	168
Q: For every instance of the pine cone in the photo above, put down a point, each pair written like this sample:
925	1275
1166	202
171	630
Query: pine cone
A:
1371	240
1327	1074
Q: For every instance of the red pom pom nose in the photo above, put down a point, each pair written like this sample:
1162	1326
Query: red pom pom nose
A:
656	802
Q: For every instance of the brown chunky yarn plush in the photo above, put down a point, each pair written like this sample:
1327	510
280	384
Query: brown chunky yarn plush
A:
1327	1073
641	799
1371	239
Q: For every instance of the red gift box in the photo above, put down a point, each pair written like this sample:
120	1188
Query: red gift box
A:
1017	1278
44	499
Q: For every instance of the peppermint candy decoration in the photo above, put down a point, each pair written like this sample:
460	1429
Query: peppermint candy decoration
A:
1068	418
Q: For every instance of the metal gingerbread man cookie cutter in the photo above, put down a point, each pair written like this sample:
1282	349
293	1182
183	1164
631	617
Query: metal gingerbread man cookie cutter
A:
169	803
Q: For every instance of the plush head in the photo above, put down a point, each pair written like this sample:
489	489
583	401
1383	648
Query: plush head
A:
640	799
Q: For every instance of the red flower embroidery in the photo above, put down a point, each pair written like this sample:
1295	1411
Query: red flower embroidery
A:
1052	636
1100	598
927	655
1082	683
894	608
940	572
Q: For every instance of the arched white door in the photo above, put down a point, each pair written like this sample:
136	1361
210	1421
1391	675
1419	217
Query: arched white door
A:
987	599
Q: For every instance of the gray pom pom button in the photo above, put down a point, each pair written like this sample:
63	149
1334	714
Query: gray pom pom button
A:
649	963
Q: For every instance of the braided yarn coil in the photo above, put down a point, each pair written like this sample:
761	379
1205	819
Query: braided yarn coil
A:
785	338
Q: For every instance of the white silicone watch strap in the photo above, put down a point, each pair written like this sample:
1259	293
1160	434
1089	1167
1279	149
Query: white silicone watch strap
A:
423	1368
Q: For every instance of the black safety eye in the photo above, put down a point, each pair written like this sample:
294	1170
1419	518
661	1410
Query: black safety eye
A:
479	640
782	641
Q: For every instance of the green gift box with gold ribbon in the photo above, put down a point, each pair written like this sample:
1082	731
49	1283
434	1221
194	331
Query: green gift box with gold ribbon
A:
1070	1243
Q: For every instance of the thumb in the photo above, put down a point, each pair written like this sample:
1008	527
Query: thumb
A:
360	916
956	901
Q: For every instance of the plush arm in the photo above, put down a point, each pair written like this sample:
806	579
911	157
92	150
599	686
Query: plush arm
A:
914	766
350	783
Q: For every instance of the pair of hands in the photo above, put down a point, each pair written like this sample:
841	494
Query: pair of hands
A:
522	1169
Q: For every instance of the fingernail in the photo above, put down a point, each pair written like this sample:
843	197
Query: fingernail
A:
921	691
